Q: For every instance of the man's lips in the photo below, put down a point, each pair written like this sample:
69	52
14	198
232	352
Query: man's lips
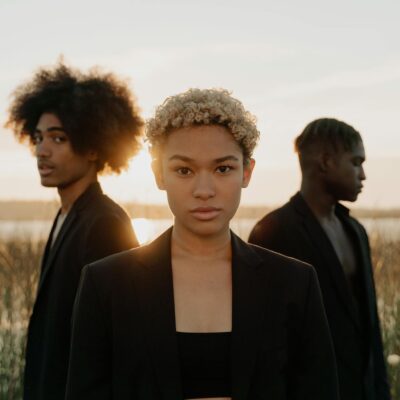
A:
205	213
45	168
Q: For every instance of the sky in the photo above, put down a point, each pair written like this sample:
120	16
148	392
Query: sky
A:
289	62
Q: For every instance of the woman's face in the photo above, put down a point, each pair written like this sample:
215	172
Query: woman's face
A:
201	168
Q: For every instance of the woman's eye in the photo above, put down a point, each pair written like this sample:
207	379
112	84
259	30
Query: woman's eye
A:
223	169
184	171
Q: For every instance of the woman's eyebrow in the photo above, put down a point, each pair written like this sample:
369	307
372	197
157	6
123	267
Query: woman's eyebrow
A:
226	158
216	161
180	158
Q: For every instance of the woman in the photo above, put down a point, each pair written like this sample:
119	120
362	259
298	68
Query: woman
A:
198	313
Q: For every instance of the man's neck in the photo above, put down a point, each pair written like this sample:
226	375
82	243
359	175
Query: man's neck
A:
69	194
322	204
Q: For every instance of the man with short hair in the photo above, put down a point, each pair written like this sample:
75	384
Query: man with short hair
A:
79	125
314	227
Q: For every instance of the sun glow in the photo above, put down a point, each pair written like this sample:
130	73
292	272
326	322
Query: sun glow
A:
136	183
147	229
143	229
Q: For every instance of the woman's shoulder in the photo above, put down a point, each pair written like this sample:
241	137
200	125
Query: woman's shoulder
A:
118	262
133	260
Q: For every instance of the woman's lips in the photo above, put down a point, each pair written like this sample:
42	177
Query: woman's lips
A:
205	213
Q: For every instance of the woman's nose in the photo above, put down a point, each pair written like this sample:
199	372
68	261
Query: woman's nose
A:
204	186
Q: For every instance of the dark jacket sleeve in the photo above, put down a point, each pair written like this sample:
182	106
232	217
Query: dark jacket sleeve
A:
108	234
313	373
89	375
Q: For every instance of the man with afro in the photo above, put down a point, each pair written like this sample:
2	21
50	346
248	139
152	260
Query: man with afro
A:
78	125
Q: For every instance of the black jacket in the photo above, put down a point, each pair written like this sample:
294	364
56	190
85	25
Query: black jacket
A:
94	228
293	230
124	343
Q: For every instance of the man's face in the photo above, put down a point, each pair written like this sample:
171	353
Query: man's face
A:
201	168
58	164
345	173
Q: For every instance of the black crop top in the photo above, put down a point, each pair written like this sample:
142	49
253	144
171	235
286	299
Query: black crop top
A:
205	362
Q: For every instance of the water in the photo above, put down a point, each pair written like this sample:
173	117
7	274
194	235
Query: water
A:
147	229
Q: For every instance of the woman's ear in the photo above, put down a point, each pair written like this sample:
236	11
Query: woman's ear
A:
156	166
247	172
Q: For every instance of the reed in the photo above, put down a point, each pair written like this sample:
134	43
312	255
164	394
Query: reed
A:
19	261
386	261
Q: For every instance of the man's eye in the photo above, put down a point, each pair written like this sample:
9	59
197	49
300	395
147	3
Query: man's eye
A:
223	169
36	139
184	171
60	139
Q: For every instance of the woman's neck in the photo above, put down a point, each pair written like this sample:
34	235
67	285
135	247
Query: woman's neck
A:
186	243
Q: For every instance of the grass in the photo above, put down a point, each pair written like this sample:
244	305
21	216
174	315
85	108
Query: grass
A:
19	271
19	261
386	261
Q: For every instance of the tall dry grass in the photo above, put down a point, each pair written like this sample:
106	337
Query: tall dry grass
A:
19	270
386	261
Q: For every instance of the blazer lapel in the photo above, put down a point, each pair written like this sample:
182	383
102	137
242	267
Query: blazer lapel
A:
48	245
250	307
328	254
51	251
155	294
365	268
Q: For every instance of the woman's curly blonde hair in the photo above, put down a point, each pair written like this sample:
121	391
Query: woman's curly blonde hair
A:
203	107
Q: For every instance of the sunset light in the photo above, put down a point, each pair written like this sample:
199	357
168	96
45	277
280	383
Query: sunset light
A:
143	229
100	269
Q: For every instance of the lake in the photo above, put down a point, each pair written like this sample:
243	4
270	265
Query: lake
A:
147	229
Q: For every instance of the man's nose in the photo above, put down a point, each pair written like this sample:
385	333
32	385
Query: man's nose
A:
362	174
204	186
42	149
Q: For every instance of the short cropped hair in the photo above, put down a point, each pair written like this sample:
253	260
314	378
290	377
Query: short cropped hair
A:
328	133
325	134
97	110
203	107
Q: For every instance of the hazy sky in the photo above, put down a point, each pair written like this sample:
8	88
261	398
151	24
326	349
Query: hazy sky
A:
288	61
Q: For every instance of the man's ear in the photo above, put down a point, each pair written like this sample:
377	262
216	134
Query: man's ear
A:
156	166
325	161
93	155
247	172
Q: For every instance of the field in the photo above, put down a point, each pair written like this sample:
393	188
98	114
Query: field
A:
19	261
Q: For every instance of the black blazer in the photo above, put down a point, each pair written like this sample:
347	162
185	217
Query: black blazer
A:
94	228
293	230
124	343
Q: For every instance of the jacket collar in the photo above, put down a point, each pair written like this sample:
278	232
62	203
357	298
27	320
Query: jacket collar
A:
302	207
92	191
83	201
154	285
325	250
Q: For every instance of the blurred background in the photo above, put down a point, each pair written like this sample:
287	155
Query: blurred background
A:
288	62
